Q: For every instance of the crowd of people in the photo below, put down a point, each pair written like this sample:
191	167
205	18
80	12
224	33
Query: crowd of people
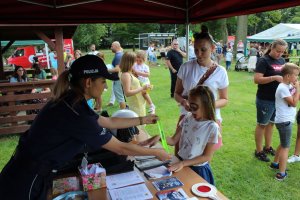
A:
199	86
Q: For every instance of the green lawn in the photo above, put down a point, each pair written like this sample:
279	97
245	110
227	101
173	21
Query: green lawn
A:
237	173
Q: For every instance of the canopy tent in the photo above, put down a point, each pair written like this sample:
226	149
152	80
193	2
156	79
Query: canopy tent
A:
117	11
24	42
287	32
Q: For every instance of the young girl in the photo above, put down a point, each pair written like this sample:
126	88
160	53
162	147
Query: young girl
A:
133	90
197	133
143	73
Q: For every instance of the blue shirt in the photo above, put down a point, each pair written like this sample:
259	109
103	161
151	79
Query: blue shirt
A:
116	61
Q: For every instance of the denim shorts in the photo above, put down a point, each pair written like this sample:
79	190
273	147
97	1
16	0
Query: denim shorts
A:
265	111
118	91
285	133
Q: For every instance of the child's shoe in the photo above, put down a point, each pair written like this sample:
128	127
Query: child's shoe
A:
274	166
270	151
293	159
280	176
151	109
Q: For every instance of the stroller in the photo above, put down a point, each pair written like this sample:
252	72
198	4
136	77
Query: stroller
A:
241	63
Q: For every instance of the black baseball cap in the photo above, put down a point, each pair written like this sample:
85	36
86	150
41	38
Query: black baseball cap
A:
90	66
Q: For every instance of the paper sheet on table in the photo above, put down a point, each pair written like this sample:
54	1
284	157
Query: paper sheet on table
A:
134	192
123	179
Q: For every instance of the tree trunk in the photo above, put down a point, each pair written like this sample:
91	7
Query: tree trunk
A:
224	30
241	31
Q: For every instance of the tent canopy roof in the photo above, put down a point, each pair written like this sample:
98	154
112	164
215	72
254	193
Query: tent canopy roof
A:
117	11
287	32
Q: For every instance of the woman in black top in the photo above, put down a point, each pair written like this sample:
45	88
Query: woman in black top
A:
61	130
267	76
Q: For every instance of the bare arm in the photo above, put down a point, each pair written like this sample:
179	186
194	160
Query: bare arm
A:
260	79
205	157
175	138
293	100
223	98
117	123
115	69
144	74
178	94
168	63
130	149
183	54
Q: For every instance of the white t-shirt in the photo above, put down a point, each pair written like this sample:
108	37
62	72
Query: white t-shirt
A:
150	51
228	56
142	68
195	136
93	53
284	112
192	54
190	74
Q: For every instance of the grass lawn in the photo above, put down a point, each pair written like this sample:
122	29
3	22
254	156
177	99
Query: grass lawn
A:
238	174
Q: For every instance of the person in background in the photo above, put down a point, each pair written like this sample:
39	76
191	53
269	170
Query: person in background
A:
197	132
286	99
45	147
54	65
295	157
174	60
133	90
93	50
151	55
117	87
267	76
219	52
252	58
228	59
141	70
19	75
38	73
77	54
192	55
98	101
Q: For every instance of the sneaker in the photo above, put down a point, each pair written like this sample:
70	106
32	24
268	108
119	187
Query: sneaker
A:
270	151
110	104
261	156
274	166
151	109
280	177
293	159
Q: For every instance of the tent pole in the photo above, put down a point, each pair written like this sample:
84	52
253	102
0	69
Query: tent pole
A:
187	30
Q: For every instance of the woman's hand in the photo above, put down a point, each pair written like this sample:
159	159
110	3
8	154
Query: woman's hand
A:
162	155
151	141
150	119
185	104
176	167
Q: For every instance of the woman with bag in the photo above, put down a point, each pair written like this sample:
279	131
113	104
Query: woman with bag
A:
204	71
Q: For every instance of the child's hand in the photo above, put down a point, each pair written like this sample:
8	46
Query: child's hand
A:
176	167
151	141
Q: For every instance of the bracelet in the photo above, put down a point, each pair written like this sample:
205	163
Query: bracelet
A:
141	120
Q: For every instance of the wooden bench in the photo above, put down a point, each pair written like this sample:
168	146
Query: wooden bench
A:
16	104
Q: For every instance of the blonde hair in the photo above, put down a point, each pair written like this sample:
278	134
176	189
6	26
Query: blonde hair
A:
141	54
289	68
101	55
127	61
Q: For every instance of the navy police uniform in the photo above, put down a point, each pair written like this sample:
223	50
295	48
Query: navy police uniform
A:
58	133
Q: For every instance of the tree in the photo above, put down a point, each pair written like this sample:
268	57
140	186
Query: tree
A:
241	31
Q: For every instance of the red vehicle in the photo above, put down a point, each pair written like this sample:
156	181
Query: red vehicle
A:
23	56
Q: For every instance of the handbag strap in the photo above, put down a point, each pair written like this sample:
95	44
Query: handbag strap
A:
205	76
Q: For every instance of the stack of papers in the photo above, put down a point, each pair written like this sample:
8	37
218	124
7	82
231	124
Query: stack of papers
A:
126	186
157	172
149	163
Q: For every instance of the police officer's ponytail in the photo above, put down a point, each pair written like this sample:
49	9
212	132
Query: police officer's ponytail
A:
62	86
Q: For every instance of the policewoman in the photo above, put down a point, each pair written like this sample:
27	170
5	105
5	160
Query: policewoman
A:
62	128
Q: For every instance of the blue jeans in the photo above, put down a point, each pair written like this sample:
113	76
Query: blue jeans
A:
285	133
265	111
